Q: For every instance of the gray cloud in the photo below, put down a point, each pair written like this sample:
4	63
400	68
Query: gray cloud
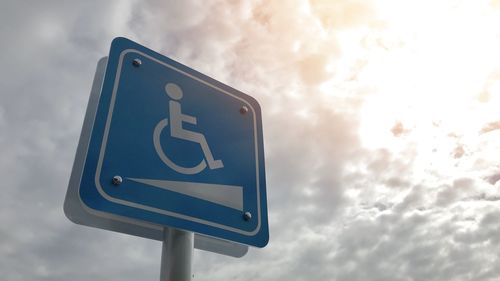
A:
493	179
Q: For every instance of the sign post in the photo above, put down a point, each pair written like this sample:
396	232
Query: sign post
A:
170	154
176	255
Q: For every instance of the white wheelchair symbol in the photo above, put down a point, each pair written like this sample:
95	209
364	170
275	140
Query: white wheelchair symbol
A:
177	118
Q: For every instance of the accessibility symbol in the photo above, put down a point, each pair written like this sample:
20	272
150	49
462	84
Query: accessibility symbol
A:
177	118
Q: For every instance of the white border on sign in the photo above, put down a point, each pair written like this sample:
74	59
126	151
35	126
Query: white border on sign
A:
79	213
157	210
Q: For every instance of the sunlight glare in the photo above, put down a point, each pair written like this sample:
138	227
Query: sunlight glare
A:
433	77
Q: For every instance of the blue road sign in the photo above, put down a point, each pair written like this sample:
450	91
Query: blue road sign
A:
172	147
77	212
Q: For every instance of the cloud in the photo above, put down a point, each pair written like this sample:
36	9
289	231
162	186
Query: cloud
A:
493	179
313	69
490	127
398	129
338	15
450	194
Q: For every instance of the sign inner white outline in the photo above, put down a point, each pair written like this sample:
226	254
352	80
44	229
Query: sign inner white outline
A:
157	210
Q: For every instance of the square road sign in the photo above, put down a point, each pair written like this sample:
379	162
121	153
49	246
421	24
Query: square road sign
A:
172	147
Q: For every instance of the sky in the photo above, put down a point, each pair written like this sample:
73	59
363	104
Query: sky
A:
380	119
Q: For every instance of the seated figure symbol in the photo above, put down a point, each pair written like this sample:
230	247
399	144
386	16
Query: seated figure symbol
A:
177	118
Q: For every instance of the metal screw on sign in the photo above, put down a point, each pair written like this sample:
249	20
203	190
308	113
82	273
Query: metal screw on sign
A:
244	109
247	216
136	62
117	180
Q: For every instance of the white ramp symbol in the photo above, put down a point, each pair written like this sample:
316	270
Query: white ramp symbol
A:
227	195
176	131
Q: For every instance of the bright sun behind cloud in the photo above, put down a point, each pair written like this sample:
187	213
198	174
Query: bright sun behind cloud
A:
431	68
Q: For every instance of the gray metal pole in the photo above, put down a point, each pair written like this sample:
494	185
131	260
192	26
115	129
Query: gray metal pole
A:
176	255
